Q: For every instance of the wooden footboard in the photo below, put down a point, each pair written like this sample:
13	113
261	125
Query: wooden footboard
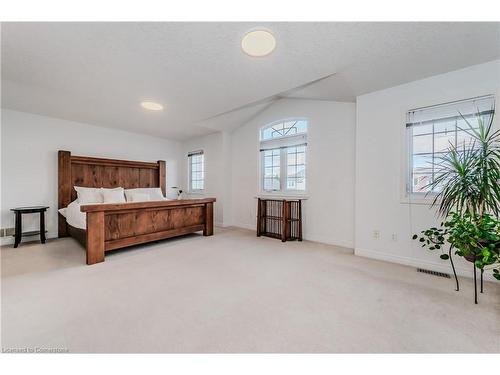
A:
114	226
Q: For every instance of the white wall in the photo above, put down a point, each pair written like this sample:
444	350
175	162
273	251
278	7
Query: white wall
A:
217	175
329	212
380	163
29	159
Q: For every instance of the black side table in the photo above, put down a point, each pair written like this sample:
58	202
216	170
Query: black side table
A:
19	211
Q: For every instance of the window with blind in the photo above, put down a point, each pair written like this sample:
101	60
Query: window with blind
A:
433	130
196	171
283	156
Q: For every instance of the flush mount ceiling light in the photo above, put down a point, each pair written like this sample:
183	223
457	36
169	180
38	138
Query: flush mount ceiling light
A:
258	43
152	106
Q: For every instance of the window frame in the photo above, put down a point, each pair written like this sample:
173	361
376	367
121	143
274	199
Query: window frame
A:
288	141
414	197
263	170
272	124
190	171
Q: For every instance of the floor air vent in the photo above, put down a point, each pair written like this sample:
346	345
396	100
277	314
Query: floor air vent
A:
440	274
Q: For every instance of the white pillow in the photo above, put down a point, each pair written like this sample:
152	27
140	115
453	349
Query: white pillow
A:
113	195
154	194
138	197
88	195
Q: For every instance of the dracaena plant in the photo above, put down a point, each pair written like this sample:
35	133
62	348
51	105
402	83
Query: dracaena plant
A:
467	183
468	176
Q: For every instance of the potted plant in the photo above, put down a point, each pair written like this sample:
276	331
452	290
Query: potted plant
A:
468	198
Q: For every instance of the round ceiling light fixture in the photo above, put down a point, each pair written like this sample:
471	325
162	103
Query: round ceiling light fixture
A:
151	106
258	43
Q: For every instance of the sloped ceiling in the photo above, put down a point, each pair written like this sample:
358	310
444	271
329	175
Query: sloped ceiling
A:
98	73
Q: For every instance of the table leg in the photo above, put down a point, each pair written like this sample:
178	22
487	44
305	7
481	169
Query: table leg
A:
42	226
475	284
18	229
482	271
208	229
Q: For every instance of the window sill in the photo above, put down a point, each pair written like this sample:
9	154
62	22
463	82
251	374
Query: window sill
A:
200	192
282	196
418	199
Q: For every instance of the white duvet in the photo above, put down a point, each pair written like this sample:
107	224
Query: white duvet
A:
75	217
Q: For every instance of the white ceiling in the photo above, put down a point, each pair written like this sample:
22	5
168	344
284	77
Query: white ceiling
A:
99	72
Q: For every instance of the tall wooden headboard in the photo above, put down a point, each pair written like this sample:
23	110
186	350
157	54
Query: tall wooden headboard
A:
108	173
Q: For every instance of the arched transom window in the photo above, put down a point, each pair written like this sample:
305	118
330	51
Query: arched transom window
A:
283	147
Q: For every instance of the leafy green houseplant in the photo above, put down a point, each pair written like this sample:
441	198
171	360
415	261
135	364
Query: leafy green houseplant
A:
468	198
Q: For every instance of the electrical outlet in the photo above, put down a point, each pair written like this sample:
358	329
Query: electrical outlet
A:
394	236
376	234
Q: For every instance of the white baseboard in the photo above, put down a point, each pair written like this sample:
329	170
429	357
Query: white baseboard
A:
4	241
329	241
418	263
321	239
244	226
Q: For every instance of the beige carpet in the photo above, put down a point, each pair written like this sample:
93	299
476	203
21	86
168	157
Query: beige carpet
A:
234	292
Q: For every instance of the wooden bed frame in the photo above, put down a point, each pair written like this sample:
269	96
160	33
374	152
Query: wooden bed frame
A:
114	226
